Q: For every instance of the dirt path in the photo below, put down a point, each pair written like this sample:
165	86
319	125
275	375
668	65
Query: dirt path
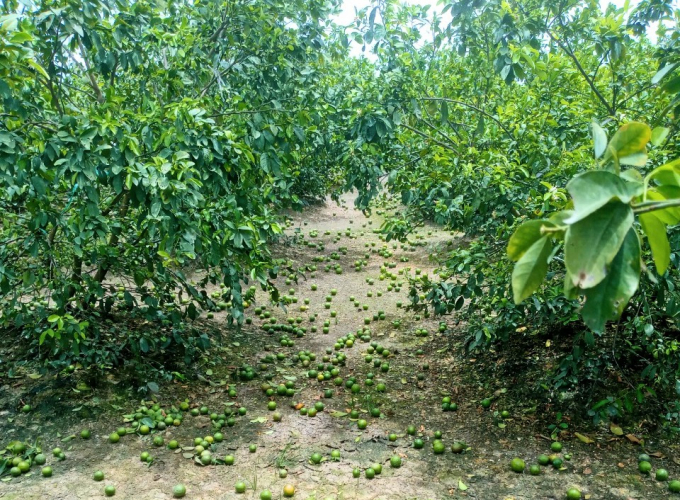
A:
414	391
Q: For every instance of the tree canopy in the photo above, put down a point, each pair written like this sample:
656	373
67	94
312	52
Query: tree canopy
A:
139	139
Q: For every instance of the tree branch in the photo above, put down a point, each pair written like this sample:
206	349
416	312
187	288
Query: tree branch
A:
472	106
429	138
93	81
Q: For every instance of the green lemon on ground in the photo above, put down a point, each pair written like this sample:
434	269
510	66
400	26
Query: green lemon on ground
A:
395	461
271	406
40	459
437	434
392	437
543	459
56	452
24	466
158	441
362	424
316	458
644	467
438	447
556	447
252	448
457	447
418	443
377	468
674	486
517	465
335	454
179	490
240	487
661	475
47	471
411	430
218	437
557	463
370	473
114	437
573	494
643	457
283	473
85	434
145	456
535	470
229	460
486	403
109	491
98	476
15	472
173	445
266	495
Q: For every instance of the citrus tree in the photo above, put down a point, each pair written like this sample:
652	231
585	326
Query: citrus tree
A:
141	139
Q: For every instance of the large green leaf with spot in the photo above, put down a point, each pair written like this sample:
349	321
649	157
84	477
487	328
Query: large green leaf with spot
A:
593	242
606	301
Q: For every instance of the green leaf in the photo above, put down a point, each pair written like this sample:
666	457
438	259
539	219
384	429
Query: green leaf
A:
525	236
594	189
663	72
21	37
593	242
570	291
599	139
672	86
630	139
634	160
607	300
655	230
668	174
38	68
444	113
461	485
531	269
659	135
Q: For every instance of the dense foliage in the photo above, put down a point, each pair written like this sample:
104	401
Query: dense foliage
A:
140	140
